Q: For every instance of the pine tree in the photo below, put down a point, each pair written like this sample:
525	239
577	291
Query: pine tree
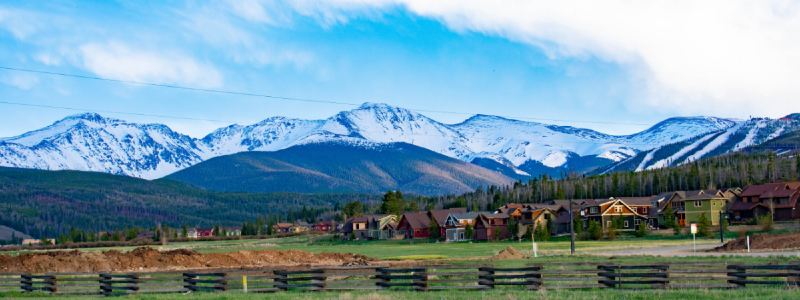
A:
497	233
433	229
185	231
703	225
468	232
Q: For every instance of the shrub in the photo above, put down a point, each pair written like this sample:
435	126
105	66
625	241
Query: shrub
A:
595	231
766	223
742	233
642	230
612	233
703	225
676	228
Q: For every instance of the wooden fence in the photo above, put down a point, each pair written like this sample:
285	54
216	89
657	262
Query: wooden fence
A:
589	275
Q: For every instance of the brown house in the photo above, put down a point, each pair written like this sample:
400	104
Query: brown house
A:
414	225
759	200
486	225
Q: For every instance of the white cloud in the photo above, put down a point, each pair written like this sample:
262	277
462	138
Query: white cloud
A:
116	60
694	56
23	81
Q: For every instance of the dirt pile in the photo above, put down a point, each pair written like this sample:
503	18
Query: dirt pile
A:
149	259
764	242
509	253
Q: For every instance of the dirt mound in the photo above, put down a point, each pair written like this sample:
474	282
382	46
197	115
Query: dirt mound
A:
764	242
145	258
509	253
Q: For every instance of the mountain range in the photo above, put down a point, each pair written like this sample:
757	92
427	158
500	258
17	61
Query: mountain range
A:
517	149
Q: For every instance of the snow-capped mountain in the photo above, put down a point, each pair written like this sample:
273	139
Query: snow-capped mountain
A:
734	138
92	143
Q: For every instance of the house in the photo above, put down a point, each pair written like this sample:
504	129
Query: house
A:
377	225
533	217
231	230
643	206
36	242
146	235
513	210
191	233
758	200
205	232
711	204
456	223
440	216
359	226
414	225
324	226
282	227
486	226
300	226
605	212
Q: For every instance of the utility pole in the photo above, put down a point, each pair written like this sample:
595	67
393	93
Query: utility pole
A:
721	233
571	228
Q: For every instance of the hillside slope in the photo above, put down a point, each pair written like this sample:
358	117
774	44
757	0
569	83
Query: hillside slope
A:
49	202
337	167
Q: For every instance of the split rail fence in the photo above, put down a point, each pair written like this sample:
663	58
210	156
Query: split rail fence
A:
548	276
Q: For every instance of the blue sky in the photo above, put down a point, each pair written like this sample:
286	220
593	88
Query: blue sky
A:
615	63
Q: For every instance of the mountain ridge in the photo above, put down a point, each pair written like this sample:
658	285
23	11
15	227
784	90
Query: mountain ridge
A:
91	142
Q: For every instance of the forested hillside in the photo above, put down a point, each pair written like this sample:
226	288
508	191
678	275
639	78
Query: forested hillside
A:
730	170
341	168
50	202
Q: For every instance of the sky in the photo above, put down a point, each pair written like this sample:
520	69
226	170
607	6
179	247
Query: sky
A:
614	66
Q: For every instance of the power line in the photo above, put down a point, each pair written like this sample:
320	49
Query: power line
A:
290	98
114	112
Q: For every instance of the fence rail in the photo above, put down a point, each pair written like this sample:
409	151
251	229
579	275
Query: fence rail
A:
541	276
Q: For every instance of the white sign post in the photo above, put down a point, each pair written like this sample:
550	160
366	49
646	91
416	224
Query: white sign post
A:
533	241
694	238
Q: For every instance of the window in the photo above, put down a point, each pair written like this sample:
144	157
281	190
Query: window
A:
608	224
637	222
698	203
593	210
626	224
644	209
617	208
461	236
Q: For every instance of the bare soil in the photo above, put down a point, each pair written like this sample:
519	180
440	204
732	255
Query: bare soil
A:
149	259
509	253
764	242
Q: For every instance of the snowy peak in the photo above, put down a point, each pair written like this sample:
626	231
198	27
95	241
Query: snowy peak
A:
91	142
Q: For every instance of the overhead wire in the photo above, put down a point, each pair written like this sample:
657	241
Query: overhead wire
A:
291	98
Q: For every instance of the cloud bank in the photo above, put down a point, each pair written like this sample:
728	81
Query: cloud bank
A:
691	56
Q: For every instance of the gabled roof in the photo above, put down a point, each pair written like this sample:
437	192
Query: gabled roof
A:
609	205
758	190
793	185
704	197
739	205
778	194
637	201
283	225
418	220
467	216
440	215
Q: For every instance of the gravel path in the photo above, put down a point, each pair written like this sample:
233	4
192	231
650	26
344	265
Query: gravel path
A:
684	251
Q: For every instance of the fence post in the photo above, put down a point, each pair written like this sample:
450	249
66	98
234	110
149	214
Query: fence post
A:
27	282
221	287
605	270
382	280
488	279
535	278
282	279
794	274
664	269
737	271
188	282
51	285
422	284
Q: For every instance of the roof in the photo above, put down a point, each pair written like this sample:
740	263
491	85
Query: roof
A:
494	215
778	194
637	201
234	228
302	223
514	205
281	225
440	215
467	216
348	226
563	219
361	219
739	205
758	190
704	197
325	223
418	220
793	185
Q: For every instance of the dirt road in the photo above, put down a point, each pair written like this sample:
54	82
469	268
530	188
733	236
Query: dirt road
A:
702	250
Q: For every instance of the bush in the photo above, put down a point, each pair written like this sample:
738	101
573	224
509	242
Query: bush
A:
676	228
595	231
612	233
766	223
742	233
642	231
